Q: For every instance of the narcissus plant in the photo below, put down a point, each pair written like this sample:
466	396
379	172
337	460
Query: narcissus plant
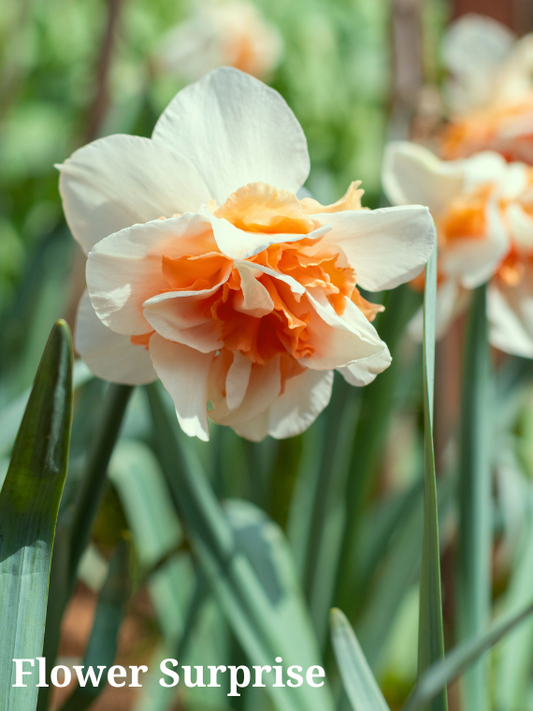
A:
207	271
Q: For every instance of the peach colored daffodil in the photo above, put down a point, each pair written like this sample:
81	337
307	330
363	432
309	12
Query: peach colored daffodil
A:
490	90
221	32
205	270
483	209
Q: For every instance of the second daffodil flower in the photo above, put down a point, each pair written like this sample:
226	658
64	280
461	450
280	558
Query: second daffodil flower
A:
490	92
483	209
205	270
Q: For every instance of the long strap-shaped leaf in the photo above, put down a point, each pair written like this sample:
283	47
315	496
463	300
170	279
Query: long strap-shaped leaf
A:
29	503
75	523
437	677
257	612
430	632
474	565
362	689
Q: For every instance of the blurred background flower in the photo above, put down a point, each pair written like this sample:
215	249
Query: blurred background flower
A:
221	33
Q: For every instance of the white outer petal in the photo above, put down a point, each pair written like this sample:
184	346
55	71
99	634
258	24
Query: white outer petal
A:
521	227
510	313
484	167
121	180
305	396
235	130
107	354
413	174
385	247
184	373
473	50
125	269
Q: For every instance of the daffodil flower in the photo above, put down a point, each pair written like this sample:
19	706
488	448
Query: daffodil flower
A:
483	209
490	90
221	32
205	270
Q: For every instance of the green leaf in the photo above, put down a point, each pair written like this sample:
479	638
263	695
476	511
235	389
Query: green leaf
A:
474	538
266	612
430	630
29	503
75	523
362	689
11	416
137	476
102	646
436	678
378	401
513	669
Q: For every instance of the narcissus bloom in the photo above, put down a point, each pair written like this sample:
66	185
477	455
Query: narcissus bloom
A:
490	91
222	32
483	209
205	269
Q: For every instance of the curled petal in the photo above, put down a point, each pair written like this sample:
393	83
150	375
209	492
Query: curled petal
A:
239	244
364	371
339	340
254	298
109	355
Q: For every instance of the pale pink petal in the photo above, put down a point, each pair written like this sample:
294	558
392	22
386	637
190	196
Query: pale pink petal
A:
120	180
237	380
385	247
364	371
264	386
107	354
184	373
235	130
304	398
125	269
180	316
